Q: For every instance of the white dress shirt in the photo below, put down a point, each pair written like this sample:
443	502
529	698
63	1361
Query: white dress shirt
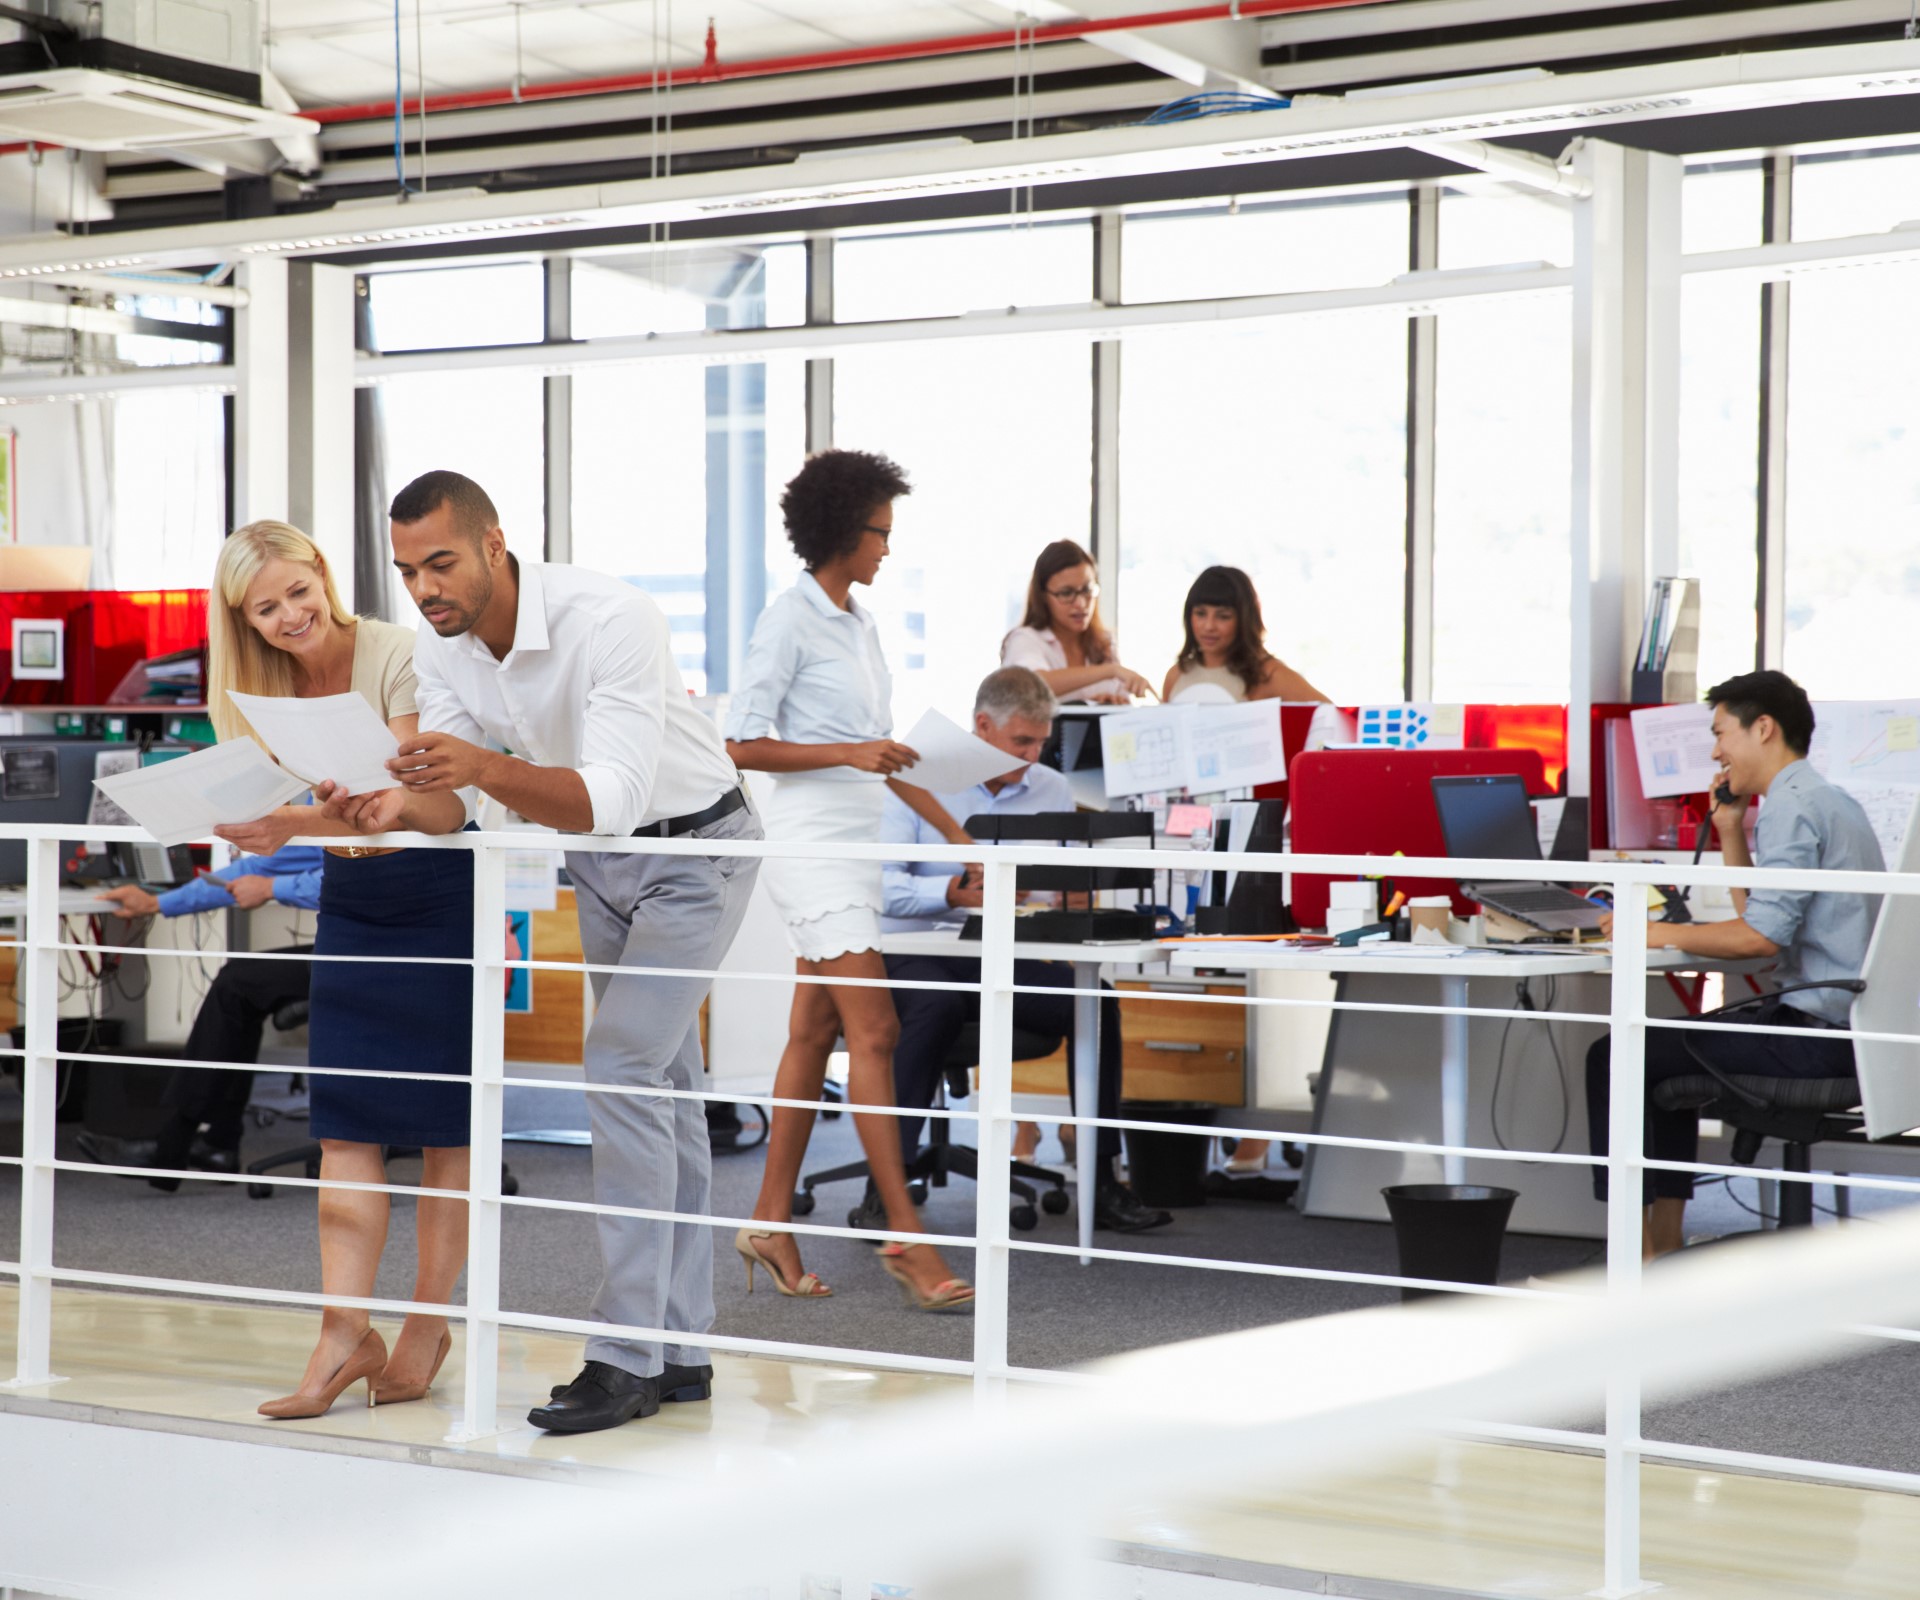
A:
916	891
591	684
814	675
1040	650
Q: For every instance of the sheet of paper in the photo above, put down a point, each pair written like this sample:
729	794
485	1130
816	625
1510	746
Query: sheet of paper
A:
101	810
1674	748
1235	746
186	799
1200	749
336	736
951	758
1415	725
1873	743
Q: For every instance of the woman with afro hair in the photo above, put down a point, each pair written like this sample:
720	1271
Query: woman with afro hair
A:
814	707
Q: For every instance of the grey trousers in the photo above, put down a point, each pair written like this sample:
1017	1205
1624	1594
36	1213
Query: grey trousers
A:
652	1154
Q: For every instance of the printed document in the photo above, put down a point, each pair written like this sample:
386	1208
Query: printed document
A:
951	758
189	797
1673	747
1201	749
335	736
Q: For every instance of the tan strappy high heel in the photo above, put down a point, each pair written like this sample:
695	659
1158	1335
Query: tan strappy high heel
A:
948	1295
808	1288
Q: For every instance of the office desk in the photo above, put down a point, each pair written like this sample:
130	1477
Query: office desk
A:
73	902
1086	961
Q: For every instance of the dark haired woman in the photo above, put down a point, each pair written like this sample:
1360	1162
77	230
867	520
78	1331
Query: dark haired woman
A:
813	706
1061	638
1227	645
1226	653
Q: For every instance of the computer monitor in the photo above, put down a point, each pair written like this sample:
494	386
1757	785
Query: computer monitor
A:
1486	817
51	780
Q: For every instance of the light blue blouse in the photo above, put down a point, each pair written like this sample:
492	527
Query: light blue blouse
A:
814	675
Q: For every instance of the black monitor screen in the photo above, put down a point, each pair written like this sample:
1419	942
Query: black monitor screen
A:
1487	817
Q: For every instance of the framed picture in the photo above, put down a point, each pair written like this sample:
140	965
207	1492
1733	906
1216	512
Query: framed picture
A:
39	647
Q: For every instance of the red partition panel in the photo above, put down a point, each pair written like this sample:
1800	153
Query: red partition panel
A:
108	631
1380	802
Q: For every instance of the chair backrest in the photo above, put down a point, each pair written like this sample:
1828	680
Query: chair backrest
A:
1890	1003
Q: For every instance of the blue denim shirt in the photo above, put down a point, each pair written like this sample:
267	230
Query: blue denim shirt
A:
295	870
1807	822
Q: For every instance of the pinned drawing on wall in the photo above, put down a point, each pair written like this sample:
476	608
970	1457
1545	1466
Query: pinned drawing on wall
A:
1416	725
519	979
9	486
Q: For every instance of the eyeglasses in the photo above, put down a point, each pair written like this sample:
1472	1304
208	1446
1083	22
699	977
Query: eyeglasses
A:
1067	597
885	533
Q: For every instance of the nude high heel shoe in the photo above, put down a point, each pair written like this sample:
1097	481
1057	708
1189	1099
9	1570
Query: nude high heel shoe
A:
950	1294
808	1288
394	1394
368	1359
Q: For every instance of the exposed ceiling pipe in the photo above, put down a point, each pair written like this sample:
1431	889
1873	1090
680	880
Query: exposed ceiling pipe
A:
716	71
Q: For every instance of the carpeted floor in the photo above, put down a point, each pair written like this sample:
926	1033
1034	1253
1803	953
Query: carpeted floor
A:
1863	1410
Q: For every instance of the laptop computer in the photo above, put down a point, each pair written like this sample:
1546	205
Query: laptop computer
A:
1488	817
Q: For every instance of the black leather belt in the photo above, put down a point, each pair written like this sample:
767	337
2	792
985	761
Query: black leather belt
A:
673	827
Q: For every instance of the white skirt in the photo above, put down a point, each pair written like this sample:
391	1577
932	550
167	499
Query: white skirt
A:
831	906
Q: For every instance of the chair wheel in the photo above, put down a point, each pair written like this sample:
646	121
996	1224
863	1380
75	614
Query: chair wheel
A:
259	1191
917	1191
1025	1218
803	1203
509	1184
1054	1202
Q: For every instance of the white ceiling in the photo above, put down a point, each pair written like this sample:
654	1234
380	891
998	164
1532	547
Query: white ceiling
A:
341	52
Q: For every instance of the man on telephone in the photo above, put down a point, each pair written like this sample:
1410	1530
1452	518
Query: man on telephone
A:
1762	727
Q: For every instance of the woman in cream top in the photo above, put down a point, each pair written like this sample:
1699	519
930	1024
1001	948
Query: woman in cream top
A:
1226	645
275	626
1061	638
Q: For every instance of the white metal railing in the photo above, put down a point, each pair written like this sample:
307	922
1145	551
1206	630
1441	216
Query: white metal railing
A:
989	1366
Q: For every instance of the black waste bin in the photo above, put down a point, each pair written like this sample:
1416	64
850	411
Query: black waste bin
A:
1449	1231
1166	1169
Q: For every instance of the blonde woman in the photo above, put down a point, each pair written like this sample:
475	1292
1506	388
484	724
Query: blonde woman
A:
275	626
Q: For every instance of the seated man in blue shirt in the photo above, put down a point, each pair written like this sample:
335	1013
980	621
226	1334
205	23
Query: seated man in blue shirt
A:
1762	727
231	1018
1013	711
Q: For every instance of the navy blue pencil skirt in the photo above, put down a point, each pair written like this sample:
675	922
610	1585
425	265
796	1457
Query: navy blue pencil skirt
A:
399	1016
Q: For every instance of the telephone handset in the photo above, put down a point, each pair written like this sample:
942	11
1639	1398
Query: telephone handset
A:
1723	795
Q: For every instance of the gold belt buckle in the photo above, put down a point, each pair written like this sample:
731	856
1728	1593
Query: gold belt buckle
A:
356	851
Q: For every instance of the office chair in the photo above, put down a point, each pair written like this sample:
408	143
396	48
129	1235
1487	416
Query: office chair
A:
307	1156
1803	1112
1799	1112
940	1158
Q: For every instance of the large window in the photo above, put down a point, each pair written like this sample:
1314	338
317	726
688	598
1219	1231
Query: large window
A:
673	459
169	490
1853	484
1720	422
997	438
1218	251
1855	192
881	277
446	308
1502	585
1280	450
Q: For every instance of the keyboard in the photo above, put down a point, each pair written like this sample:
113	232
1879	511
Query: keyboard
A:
1521	901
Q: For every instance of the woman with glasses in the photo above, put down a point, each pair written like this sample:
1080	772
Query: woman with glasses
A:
1061	638
814	707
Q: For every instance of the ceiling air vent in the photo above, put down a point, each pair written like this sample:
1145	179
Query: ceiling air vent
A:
87	110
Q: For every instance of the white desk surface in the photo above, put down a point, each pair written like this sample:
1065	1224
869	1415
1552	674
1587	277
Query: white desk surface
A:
1358	958
73	902
941	942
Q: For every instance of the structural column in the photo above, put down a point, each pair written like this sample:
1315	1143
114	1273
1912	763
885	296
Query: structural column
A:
819	315
1423	349
260	411
557	403
319	438
1105	532
1626	405
736	394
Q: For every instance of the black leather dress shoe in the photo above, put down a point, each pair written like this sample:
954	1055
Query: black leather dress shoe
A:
1116	1206
602	1396
676	1383
206	1157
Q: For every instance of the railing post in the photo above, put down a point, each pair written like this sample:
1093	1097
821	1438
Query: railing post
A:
40	1002
993	1193
481	1405
1626	1146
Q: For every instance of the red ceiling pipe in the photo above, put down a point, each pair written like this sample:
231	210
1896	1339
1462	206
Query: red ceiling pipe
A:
715	71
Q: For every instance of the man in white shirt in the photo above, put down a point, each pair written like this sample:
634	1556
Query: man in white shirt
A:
573	673
1013	711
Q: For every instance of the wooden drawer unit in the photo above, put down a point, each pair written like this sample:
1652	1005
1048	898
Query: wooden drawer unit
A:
1183	1050
1169	1049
